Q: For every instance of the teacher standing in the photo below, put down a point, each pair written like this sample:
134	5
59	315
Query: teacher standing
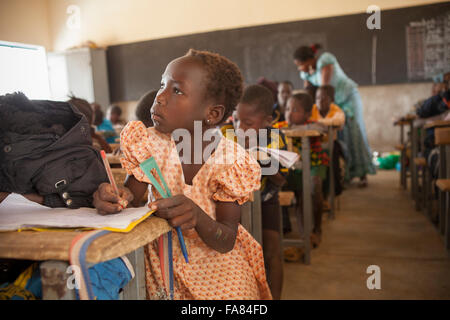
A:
325	70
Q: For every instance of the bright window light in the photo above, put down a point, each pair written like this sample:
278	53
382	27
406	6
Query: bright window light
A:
23	68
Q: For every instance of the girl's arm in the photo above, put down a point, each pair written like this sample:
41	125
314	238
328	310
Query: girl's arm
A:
326	72
137	188
219	234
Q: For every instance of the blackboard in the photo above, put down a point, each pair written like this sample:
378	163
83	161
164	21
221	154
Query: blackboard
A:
267	50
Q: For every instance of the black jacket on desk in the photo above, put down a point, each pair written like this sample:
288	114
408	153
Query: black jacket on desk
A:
46	148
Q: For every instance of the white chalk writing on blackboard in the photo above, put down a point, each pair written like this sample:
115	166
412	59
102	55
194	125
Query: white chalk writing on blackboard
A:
428	47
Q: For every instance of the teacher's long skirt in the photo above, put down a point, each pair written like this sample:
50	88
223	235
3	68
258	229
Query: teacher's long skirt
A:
358	153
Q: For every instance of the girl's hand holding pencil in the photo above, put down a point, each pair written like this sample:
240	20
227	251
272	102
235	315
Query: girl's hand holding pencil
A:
109	198
108	202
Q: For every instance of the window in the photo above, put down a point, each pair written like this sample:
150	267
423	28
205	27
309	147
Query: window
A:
23	68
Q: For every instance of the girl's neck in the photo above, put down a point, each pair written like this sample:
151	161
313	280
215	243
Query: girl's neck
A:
192	165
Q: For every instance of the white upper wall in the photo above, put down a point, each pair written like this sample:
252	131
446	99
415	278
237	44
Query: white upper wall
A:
109	22
25	21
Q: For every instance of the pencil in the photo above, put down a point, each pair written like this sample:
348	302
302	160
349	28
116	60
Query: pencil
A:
123	203
182	244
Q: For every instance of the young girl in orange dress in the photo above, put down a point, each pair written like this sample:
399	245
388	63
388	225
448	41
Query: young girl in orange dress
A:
225	261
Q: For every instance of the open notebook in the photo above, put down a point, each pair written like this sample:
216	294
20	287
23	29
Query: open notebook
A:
17	212
286	158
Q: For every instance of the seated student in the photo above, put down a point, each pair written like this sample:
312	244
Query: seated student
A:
143	107
438	108
254	111
225	262
311	90
98	142
298	111
104	126
325	111
284	92
113	114
328	113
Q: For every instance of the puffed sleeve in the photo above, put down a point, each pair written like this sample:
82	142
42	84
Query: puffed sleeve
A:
238	181
325	59
138	144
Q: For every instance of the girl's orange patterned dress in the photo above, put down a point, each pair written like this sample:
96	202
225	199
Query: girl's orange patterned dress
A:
229	174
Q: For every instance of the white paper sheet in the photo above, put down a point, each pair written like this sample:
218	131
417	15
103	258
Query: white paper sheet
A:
286	158
17	212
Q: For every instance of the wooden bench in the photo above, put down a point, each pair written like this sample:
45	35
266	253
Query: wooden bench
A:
420	161
286	198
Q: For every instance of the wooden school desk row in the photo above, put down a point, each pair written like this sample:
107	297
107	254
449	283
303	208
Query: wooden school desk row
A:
52	247
422	185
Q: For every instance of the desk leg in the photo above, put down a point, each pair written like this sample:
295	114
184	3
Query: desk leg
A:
135	289
413	166
403	169
331	148
307	207
55	281
402	159
256	217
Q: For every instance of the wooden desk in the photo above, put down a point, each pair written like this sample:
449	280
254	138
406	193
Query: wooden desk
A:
437	124
306	177
53	248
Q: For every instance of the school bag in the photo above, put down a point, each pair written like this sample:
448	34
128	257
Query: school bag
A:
46	148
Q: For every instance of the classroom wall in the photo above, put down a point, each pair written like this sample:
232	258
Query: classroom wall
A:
25	21
109	22
381	104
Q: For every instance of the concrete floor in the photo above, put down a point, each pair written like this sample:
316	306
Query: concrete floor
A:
375	226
